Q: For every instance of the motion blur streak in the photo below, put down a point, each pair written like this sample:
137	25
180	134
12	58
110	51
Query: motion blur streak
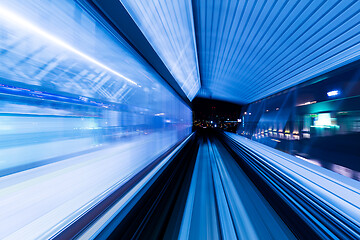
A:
309	189
169	27
81	113
11	17
224	204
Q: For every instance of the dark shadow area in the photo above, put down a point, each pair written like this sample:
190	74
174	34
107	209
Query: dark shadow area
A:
210	113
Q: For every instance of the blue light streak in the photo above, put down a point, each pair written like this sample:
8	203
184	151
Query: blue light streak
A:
169	27
80	113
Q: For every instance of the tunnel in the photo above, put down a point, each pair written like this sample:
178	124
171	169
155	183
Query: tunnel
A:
179	119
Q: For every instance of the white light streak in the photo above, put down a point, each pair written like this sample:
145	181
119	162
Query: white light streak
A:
333	93
174	42
10	16
306	103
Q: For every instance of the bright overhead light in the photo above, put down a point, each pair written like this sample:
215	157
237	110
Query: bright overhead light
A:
333	93
22	22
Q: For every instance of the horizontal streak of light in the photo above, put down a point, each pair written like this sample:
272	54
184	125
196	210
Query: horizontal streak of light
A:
93	230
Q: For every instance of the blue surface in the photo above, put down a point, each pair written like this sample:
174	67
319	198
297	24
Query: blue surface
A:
223	203
70	84
169	28
80	113
249	50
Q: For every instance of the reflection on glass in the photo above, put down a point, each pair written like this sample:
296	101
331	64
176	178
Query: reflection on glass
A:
319	120
80	114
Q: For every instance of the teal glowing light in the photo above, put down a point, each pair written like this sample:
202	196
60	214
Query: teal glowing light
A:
323	119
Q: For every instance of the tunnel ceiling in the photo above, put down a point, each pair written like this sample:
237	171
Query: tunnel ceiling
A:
243	51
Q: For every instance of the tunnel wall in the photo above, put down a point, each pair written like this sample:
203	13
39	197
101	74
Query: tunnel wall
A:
69	84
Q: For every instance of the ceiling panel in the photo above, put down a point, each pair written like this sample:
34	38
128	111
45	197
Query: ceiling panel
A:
169	28
251	49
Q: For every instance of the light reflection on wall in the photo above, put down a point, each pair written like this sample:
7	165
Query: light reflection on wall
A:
169	28
57	82
69	88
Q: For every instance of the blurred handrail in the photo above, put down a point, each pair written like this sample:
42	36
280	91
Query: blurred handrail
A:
328	201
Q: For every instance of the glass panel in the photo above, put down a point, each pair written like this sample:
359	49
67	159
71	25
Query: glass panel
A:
318	121
80	114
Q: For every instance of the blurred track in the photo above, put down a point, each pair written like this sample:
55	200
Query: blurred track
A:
203	194
209	186
314	201
222	186
224	203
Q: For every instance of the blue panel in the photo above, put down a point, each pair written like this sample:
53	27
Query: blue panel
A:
80	114
251	49
169	27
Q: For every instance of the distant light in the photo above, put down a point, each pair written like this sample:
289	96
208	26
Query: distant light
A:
277	109
211	121
245	113
267	110
215	125
306	135
306	103
333	93
239	120
323	119
249	113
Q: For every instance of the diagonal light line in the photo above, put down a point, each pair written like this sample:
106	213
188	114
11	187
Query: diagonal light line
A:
10	16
